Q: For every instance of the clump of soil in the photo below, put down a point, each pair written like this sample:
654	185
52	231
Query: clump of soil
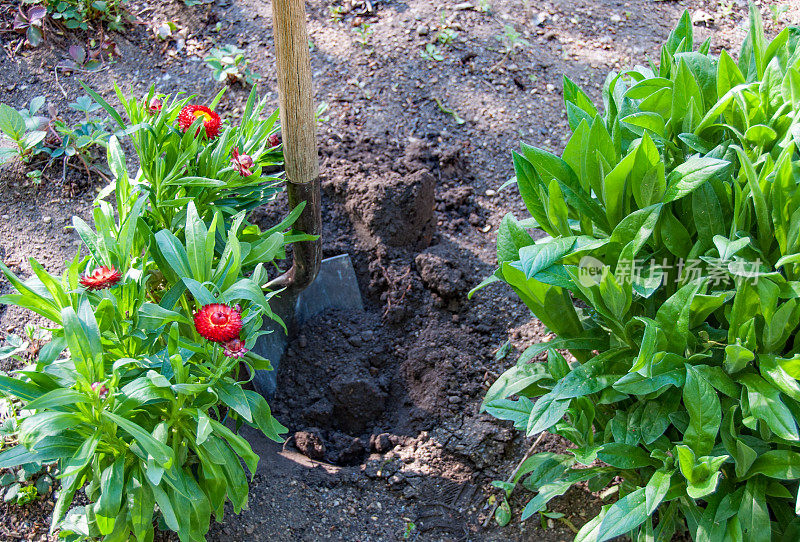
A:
392	205
337	385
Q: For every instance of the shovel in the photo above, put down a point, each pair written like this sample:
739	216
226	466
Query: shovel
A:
312	285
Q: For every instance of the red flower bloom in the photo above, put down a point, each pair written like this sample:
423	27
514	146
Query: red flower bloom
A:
155	105
274	140
241	162
101	278
235	348
191	113
218	323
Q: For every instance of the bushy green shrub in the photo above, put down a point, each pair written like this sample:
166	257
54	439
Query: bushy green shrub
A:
152	327
670	273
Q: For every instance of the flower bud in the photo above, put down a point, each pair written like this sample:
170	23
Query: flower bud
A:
155	105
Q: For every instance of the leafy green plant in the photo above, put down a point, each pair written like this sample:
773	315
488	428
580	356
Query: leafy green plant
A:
132	395
31	23
179	166
445	35
77	14
778	11
39	141
25	485
230	66
81	140
23	130
511	40
432	53
336	13
672	219
79	61
363	34
139	394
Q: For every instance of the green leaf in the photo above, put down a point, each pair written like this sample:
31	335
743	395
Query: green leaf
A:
535	258
263	418
27	391
518	411
44	424
116	159
57	398
753	514
707	211
766	405
688	176
624	515
78	343
624	456
232	394
153	317
47	450
511	237
550	167
203	428
656	489
515	380
705	412
159	451
591	529
765	233
203	182
11	122
546	493
196	232
239	445
174	253
140	504
547	411
673	316
107	507
780	464
104	104
737	357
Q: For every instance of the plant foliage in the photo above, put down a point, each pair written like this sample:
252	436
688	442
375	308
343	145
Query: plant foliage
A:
141	411
673	219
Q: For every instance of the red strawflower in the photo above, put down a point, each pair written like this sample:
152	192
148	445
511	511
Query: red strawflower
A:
155	105
235	348
274	140
191	113
101	278
241	162
218	323
101	389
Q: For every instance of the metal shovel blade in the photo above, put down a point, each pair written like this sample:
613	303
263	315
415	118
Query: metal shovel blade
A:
335	287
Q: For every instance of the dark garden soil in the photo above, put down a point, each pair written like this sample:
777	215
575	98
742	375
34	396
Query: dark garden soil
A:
386	441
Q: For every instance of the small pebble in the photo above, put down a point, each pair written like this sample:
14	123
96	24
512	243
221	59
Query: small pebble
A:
47	219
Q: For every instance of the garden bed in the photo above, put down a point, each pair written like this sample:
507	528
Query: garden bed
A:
383	404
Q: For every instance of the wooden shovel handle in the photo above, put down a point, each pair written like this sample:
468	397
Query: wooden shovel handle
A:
299	134
296	96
